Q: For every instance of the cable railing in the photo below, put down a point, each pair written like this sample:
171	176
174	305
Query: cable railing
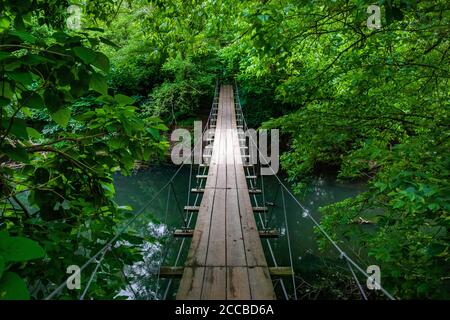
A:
187	217
99	256
305	213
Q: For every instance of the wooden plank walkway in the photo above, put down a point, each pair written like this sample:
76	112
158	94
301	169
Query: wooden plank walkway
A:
226	258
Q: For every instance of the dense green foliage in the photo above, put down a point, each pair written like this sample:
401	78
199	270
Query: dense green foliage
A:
63	134
374	104
369	104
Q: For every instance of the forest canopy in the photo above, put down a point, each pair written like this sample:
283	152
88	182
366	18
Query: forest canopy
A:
79	104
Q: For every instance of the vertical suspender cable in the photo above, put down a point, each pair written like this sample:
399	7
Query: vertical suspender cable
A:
162	256
94	273
289	245
361	290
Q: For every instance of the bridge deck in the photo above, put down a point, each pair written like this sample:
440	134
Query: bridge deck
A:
226	258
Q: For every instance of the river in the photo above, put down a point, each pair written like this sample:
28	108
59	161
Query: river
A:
137	190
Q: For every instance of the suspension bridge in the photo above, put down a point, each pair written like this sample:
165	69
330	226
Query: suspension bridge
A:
225	259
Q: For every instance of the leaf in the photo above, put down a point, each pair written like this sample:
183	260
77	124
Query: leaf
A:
101	61
60	36
109	43
4	23
106	98
24	78
12	287
4	55
18	128
62	117
94	29
19	24
117	143
53	100
398	204
4	102
65	76
41	175
18	249
263	17
5	90
32	100
126	208
161	126
146	154
24	36
123	99
98	83
66	205
85	54
155	133
33	133
433	206
2	265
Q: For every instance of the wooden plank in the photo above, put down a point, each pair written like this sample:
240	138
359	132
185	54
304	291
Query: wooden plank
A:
216	255
171	272
231	171
235	239
260	209
183	233
222	161
199	245
236	272
191	208
215	284
281	271
272	233
261	287
238	284
253	247
191	284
